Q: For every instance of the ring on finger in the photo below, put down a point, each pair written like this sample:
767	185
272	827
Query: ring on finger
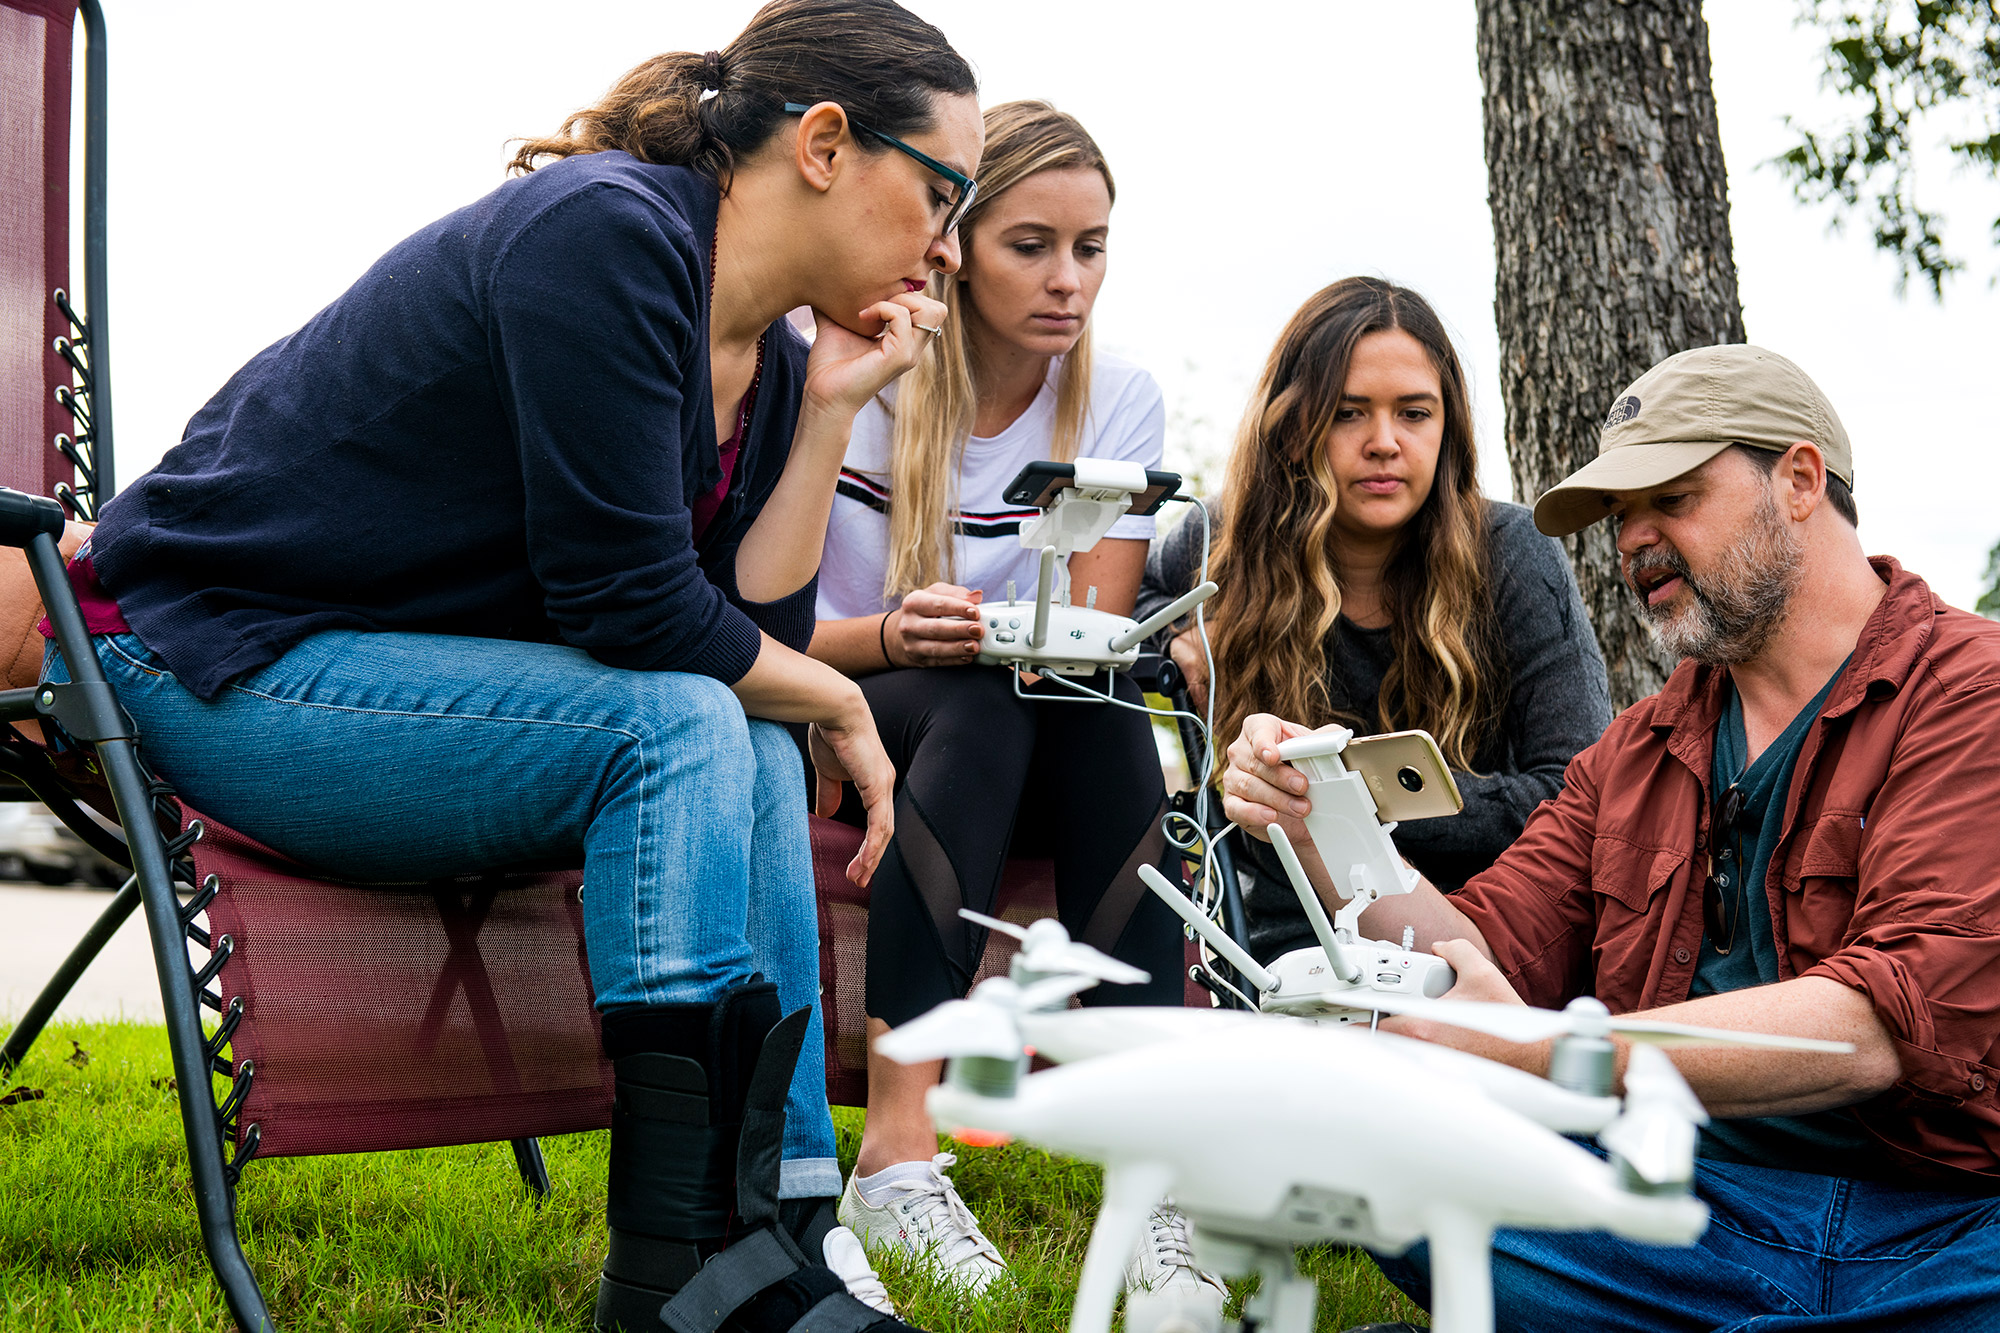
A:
927	328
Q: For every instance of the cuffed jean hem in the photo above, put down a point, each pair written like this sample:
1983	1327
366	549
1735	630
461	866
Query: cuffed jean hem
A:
809	1178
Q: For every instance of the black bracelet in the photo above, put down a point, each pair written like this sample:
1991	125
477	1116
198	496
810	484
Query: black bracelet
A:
882	637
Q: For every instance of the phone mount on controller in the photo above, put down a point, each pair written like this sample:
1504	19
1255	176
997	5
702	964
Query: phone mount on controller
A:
1346	829
1079	503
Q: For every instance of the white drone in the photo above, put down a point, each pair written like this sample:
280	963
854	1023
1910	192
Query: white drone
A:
1346	1135
1080	502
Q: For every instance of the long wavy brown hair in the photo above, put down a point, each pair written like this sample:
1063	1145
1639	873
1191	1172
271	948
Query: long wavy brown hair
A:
1277	558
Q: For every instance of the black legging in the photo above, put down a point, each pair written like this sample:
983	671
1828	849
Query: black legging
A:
982	775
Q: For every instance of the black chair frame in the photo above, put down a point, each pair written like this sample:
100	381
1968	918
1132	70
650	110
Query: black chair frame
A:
88	349
88	711
147	838
150	842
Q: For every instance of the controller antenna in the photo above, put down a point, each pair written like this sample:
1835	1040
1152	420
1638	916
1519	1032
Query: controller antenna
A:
1162	618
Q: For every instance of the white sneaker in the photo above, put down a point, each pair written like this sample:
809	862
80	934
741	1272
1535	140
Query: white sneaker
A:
926	1217
849	1263
1164	1291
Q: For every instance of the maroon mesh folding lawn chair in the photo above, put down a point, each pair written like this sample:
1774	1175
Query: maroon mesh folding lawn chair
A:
347	1018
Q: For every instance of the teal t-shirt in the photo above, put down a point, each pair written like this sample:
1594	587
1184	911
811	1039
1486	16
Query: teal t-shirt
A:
1827	1143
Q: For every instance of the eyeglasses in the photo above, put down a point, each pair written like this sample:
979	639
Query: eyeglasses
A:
1729	874
968	188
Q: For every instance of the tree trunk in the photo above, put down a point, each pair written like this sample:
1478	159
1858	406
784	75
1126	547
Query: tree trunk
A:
1611	227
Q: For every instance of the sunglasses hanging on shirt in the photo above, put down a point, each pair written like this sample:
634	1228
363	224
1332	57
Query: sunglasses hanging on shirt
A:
1722	898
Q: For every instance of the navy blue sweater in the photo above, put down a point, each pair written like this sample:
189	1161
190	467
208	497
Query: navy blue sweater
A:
498	431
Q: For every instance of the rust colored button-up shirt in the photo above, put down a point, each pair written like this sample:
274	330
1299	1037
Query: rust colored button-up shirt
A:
1886	876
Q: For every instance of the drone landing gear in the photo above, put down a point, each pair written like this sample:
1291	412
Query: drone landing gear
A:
1461	1273
1130	1194
1285	1299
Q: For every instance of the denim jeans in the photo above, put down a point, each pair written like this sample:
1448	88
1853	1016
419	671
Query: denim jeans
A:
1784	1251
399	756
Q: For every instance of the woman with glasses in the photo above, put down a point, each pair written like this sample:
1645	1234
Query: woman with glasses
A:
919	537
509	554
1365	580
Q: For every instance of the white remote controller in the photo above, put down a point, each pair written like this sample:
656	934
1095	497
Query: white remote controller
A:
1077	641
1352	841
1355	845
1308	987
1364	864
1080	501
1045	635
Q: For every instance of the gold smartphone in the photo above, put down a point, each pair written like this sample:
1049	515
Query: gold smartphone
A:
1406	774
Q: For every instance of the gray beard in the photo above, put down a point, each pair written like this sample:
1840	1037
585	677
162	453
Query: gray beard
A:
1732	614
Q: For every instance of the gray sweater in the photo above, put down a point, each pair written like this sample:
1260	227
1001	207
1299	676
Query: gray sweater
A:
1557	703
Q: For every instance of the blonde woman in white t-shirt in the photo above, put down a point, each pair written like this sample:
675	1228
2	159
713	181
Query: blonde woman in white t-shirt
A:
918	537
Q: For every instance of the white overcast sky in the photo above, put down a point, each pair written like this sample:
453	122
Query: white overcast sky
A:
263	156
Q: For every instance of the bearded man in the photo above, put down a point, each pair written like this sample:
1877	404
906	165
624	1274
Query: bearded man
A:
1797	835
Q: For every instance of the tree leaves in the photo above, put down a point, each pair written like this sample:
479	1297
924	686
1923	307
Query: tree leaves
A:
1988	604
1901	66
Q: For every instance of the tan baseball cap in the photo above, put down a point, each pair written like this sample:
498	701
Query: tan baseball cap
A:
1685	411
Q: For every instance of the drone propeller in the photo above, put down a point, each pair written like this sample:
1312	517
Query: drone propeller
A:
1655	1138
987	1023
1047	949
1651	1078
1584	1017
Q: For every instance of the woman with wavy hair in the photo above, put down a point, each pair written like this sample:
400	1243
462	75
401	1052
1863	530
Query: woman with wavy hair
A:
1365	581
919	536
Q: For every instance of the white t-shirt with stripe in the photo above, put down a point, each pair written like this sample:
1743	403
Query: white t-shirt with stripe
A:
1127	421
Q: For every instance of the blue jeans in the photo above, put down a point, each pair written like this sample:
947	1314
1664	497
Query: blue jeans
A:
1784	1251
400	756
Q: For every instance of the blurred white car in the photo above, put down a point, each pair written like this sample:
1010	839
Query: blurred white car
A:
35	845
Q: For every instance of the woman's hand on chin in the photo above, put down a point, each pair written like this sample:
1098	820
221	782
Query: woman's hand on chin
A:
846	369
848	749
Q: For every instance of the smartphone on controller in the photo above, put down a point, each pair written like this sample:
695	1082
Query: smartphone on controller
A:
1038	482
1406	774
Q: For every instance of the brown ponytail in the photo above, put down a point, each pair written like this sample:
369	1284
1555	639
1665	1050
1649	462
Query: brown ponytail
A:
881	63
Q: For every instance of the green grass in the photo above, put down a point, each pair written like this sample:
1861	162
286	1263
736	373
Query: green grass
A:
97	1223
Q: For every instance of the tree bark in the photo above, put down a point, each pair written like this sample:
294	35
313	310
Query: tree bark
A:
1611	227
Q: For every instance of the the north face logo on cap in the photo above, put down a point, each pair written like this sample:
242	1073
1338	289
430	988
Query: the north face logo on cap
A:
1622	411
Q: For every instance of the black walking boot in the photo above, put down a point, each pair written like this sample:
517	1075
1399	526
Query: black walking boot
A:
697	1131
